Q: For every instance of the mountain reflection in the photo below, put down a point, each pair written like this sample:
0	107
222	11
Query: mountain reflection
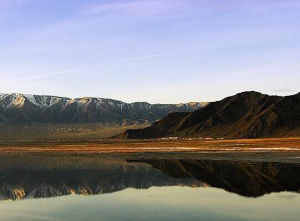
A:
251	179
24	177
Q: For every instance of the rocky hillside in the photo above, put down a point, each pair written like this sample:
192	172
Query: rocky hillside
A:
245	115
20	108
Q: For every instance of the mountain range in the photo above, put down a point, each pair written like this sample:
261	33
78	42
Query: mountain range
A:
22	108
244	115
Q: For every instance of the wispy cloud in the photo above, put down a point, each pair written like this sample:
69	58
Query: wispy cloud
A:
36	76
137	8
236	38
151	8
14	3
107	64
267	5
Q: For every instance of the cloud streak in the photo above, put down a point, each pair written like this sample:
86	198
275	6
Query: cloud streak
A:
107	64
37	76
4	4
137	8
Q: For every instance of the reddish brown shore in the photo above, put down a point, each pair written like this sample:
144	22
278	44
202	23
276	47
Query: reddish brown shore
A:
160	146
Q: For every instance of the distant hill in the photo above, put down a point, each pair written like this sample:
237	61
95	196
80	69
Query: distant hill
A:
24	109
244	115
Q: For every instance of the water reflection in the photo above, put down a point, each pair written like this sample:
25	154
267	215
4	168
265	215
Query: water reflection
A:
24	176
251	179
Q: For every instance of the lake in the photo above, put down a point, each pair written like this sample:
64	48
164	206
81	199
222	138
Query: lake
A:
109	187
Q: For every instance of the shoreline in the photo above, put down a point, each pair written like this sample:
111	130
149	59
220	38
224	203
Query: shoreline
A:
156	146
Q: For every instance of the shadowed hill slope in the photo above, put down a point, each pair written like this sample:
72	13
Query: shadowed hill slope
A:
244	115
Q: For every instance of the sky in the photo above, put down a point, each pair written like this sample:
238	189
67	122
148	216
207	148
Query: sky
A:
160	51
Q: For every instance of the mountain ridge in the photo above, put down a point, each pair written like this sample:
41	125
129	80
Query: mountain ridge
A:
24	108
247	114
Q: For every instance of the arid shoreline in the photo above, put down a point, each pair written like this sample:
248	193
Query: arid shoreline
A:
156	146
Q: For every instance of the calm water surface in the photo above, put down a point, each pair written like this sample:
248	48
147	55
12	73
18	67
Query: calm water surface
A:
107	188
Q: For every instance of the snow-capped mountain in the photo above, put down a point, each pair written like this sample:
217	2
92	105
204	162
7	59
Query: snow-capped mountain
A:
23	108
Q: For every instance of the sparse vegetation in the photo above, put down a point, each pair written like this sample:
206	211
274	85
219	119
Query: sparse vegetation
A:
113	146
56	132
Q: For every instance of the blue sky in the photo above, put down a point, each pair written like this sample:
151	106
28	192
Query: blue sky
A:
165	51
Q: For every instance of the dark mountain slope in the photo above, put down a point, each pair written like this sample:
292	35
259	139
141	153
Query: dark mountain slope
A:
245	115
